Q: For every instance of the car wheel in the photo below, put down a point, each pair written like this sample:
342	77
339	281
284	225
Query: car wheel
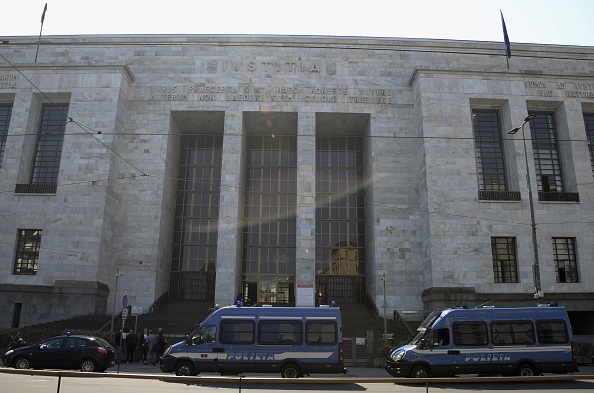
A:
290	371
22	363
185	369
420	372
526	370
88	366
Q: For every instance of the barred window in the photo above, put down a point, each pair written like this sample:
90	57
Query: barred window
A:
565	259
5	113
27	253
505	266
49	144
489	150
589	122
546	152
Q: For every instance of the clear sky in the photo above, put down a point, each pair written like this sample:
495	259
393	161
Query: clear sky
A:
566	22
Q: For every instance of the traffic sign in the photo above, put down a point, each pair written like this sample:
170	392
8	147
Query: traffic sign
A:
124	313
125	301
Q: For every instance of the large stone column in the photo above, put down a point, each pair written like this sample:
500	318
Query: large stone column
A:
305	279
230	213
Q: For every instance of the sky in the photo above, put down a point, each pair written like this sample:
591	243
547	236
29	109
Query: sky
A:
565	22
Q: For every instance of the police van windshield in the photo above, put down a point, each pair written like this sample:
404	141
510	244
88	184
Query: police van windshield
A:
424	326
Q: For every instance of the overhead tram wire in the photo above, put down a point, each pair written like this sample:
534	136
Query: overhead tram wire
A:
70	119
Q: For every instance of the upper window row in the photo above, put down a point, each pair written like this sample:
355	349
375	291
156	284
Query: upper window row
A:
491	161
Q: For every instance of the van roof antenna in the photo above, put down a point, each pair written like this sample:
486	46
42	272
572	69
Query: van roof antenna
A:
485	303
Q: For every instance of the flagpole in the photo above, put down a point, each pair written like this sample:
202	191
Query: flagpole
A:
506	40
39	41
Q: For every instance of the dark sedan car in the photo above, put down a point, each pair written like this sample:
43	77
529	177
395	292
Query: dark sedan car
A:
86	353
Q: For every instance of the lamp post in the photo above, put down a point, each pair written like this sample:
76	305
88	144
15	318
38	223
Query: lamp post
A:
115	293
536	266
385	315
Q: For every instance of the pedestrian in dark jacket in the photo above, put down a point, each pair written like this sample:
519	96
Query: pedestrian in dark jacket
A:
117	341
130	346
144	346
161	343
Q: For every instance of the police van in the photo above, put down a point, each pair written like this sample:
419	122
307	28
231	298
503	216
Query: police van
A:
292	341
487	341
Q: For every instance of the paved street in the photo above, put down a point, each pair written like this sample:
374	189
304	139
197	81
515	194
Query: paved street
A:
353	372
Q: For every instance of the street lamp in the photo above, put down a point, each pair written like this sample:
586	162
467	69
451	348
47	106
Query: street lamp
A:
115	293
385	314
536	266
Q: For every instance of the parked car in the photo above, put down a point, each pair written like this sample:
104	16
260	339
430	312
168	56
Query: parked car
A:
86	353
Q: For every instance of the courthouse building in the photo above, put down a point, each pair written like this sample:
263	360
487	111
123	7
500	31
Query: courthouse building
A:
294	170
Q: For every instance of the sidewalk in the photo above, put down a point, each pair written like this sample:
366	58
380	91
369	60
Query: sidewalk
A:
353	372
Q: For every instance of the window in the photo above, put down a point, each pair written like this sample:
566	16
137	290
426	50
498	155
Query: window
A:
27	253
438	338
552	332
340	206
52	343
49	144
503	251
546	153
206	334
321	333
589	122
513	333
5	113
280	332
489	151
472	333
197	206
565	259
237	332
269	236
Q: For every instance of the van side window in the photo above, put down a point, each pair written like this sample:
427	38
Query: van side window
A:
280	332
438	338
470	333
321	332
552	332
237	332
513	333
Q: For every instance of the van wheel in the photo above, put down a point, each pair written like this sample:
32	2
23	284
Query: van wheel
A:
185	368
420	372
290	371
526	370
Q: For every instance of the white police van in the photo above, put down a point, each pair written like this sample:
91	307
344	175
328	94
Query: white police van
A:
487	341
292	341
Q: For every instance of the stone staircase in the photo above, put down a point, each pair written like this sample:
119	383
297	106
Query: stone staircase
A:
175	317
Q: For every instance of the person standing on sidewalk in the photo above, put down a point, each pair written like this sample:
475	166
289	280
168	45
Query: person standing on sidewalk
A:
161	343
117	343
152	347
130	346
144	346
